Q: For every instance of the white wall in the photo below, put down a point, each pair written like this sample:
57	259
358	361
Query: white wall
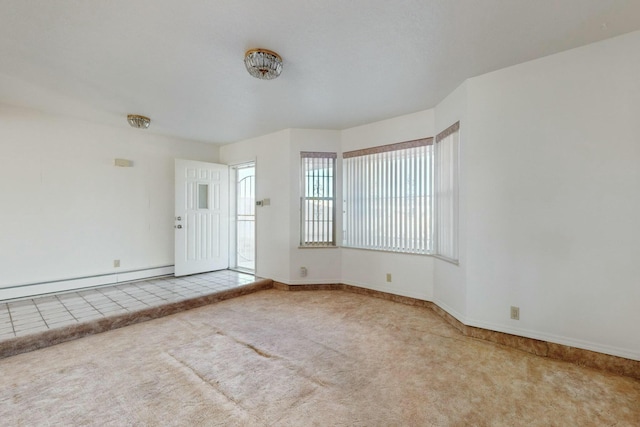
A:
450	282
324	265
553	166
277	157
397	129
68	212
548	200
412	275
278	233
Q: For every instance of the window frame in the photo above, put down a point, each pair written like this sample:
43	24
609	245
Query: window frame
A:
446	210
401	233
331	242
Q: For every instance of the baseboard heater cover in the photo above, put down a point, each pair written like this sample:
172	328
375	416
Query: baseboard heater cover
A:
42	288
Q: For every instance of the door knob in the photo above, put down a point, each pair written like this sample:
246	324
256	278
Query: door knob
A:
178	218
177	226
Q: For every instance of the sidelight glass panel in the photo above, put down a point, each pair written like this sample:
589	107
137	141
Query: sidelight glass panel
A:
243	217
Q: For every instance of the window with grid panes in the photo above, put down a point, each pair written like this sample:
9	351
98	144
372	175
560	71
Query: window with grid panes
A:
317	201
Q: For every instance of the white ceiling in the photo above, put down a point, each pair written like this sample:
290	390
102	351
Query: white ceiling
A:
346	62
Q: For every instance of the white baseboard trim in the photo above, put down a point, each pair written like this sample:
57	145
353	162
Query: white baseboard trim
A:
451	311
35	289
313	282
275	279
389	290
557	339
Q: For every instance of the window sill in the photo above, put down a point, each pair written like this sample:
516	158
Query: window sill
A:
449	260
318	247
386	251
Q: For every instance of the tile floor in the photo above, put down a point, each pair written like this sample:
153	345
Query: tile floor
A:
26	316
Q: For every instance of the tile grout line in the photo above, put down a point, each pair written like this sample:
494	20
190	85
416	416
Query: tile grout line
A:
11	317
133	296
88	302
13	328
40	313
124	291
113	301
66	308
145	294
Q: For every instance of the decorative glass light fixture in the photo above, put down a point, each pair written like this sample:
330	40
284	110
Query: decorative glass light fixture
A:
263	64
139	122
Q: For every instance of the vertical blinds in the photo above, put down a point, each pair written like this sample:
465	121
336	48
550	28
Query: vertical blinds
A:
317	202
446	192
387	197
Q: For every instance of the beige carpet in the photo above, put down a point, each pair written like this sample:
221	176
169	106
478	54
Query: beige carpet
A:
299	359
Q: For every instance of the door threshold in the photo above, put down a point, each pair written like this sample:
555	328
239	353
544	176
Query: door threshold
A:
243	270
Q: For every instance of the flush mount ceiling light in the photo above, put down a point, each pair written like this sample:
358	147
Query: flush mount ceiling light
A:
263	64
140	122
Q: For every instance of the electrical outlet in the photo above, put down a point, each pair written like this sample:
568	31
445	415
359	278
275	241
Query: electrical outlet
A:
388	277
303	271
116	263
515	313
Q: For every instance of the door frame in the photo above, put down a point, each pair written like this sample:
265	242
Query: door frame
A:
233	241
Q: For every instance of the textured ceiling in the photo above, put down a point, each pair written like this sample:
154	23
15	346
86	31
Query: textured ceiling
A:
346	63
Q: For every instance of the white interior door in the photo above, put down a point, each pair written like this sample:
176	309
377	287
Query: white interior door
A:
201	217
